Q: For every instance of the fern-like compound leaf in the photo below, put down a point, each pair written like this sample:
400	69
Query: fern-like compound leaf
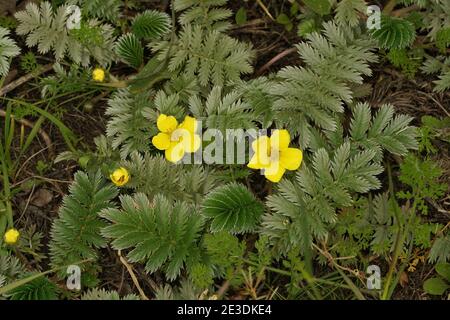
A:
211	56
153	175
443	83
312	95
128	125
8	50
161	234
102	294
348	11
223	112
383	131
39	289
48	30
208	14
101	9
75	234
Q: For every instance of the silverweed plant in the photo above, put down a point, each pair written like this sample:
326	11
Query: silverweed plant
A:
212	181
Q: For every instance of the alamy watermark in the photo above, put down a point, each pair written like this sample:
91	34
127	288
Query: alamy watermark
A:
374	280
373	17
74	17
225	147
74	277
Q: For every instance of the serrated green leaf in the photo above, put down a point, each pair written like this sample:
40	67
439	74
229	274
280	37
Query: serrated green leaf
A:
232	208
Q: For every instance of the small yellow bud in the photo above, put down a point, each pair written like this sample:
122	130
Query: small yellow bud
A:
11	236
98	75
120	176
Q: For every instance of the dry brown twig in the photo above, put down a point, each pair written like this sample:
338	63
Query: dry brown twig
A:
275	59
332	261
18	82
132	275
435	101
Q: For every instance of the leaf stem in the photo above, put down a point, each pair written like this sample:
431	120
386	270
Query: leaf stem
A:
389	7
21	282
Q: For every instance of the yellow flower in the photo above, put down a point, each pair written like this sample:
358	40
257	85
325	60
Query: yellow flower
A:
120	176
176	139
98	75
274	156
11	236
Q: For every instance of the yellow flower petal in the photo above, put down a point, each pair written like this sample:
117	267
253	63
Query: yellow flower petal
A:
262	143
291	158
191	143
274	172
11	236
274	156
120	177
190	124
259	161
280	139
166	123
175	153
253	163
98	75
161	141
261	158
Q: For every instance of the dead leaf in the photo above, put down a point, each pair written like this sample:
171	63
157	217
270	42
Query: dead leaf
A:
41	198
403	279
